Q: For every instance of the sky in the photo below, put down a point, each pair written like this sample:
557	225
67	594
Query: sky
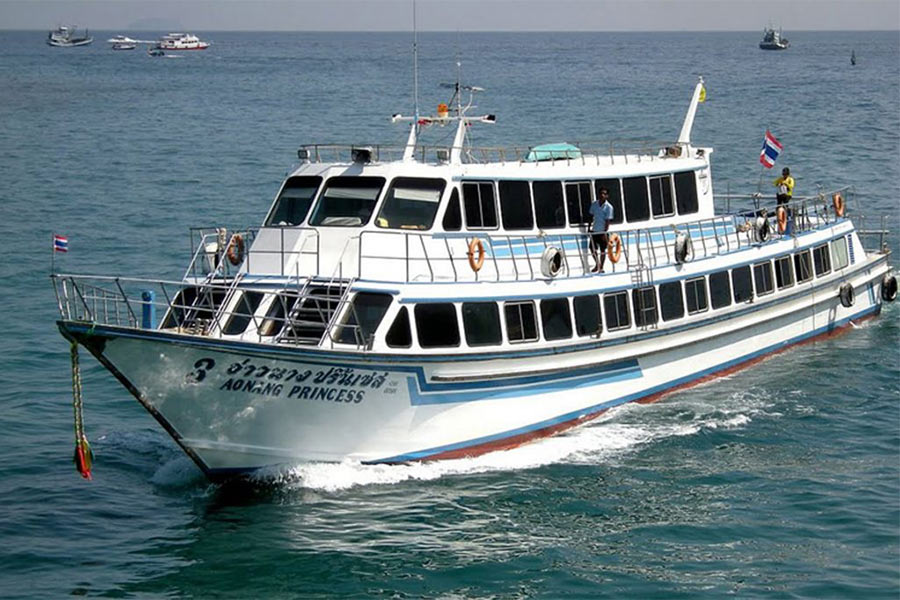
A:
453	15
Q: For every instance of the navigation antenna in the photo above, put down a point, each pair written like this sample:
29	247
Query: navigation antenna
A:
415	65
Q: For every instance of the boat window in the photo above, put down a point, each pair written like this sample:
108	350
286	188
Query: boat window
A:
719	289
293	202
478	202
839	253
242	313
643	302
515	205
741	284
587	315
556	319
453	216
661	196
548	204
686	192
803	266
347	201
192	304
521	321
762	276
578	202
615	308
695	294
822	260
411	203
399	335
481	322
614	186
671	300
784	275
436	325
276	316
362	318
637	207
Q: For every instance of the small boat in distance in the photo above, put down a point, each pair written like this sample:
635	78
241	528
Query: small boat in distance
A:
773	40
181	41
155	52
121	42
852	57
65	37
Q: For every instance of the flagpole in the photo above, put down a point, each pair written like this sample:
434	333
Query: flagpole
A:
52	253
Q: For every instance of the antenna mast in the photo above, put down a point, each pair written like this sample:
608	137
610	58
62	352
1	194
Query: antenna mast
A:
415	65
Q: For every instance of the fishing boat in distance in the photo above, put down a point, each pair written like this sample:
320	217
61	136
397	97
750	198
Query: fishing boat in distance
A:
426	302
773	40
67	37
121	42
181	41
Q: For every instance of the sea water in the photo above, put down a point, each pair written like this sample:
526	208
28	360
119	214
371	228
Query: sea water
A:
780	481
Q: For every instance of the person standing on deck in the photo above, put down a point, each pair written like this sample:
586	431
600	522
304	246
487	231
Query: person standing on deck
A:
785	185
602	214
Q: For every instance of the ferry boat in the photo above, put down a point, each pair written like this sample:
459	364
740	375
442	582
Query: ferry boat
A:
67	37
435	302
773	40
181	41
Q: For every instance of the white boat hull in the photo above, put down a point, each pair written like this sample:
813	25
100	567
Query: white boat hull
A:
237	407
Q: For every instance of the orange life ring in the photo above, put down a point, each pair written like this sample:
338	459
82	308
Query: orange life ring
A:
781	213
235	252
614	247
476	263
838	202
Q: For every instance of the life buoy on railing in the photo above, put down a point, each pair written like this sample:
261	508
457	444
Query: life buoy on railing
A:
684	248
781	214
848	296
235	252
551	261
838	202
476	248
614	247
888	288
761	229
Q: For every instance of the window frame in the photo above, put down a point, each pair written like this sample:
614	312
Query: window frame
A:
779	260
419	333
734	288
809	265
823	250
764	267
705	295
729	294
504	189
568	318
576	302
662	304
613	296
520	303
466	306
495	196
389	195
665	181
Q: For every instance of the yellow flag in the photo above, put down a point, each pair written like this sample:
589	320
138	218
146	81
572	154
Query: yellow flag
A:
702	93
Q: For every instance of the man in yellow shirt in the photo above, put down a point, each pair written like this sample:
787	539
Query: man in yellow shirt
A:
785	185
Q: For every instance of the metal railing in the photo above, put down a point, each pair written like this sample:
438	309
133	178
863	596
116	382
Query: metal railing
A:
587	153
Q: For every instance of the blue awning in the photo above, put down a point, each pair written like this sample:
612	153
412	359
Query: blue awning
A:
553	152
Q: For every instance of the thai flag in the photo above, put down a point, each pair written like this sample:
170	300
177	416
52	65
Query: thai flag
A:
60	243
770	150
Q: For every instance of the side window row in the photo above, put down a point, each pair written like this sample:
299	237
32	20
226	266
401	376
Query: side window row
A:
554	204
437	324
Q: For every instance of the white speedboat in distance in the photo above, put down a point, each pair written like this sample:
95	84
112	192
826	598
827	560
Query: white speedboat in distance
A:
181	41
436	302
66	37
121	42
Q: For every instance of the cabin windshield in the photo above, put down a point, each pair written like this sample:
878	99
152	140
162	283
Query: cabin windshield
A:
347	201
411	203
294	201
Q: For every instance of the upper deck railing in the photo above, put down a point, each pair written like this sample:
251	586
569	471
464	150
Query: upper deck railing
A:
587	153
414	256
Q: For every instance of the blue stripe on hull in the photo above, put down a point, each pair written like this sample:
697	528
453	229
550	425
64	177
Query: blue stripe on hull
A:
598	408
